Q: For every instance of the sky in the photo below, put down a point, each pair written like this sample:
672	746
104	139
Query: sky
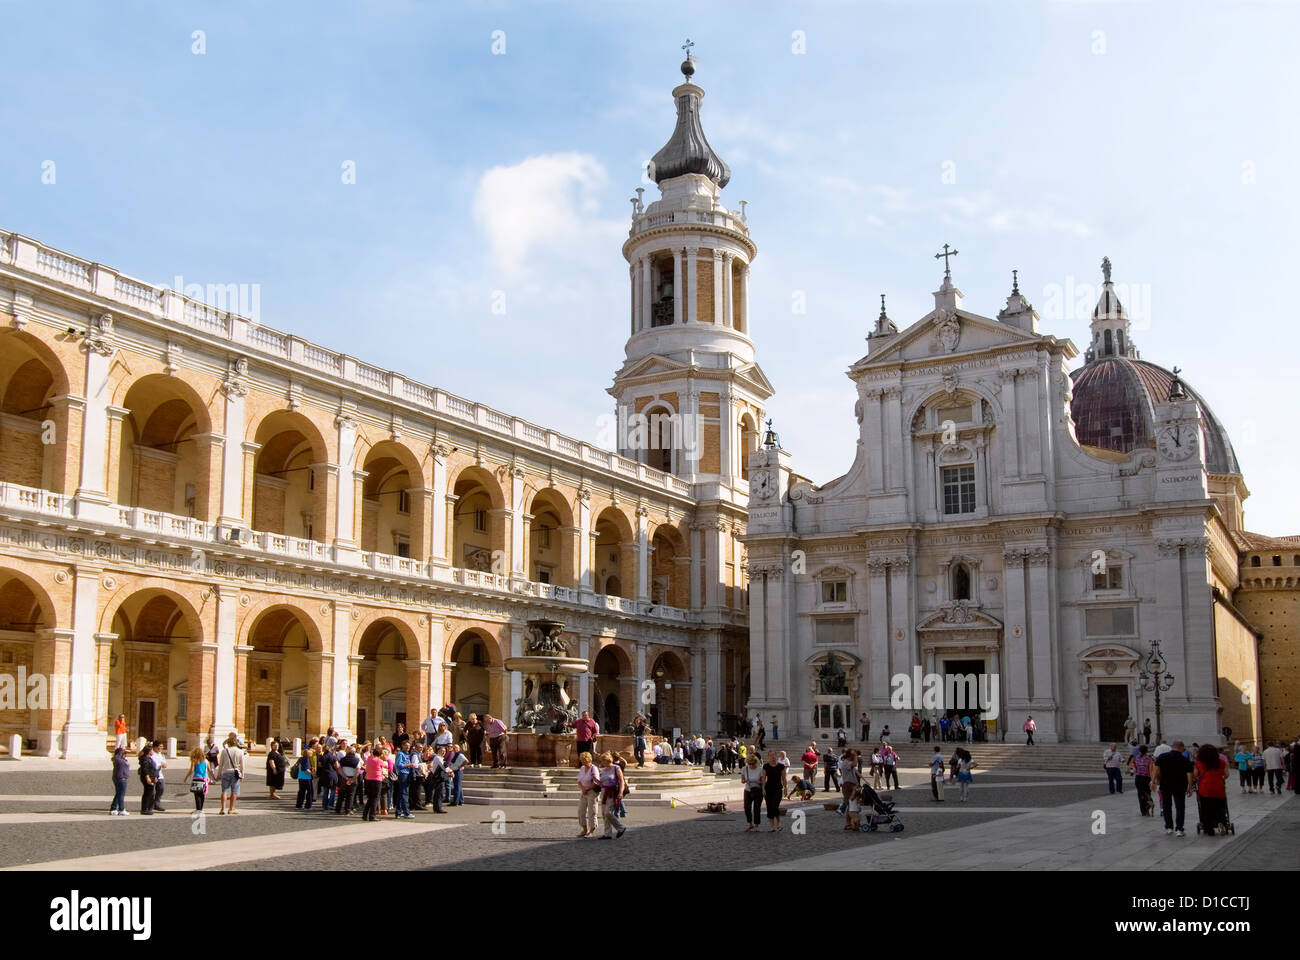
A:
492	149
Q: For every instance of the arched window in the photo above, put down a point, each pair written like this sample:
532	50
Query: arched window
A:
961	582
1109	348
1119	341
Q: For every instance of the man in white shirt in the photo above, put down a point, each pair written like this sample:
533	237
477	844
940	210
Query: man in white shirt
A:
1111	760
659	752
1273	763
430	725
230	768
698	746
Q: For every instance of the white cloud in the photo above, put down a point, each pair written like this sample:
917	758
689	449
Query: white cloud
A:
545	205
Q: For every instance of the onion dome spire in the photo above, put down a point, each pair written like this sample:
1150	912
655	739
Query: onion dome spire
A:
687	150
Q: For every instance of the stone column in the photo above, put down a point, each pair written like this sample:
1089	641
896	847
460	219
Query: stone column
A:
93	489
341	716
693	289
518	558
640	703
439	680
698	717
1041	639
647	293
82	733
241	686
422	513
103	668
250	451
113	440
225	600
730	295
714	684
697	564
353	674
877	603
449	526
1015	639
677	286
635	313
642	555
439	545
584	558
584	681
1009	428
344	519
233	505
742	316
418	702
717	287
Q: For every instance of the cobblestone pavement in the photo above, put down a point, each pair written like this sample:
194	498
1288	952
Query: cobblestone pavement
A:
271	835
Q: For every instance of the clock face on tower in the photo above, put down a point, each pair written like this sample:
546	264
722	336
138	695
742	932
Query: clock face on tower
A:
1177	442
764	486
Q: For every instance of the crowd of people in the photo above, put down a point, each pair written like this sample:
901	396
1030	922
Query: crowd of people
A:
1171	772
386	776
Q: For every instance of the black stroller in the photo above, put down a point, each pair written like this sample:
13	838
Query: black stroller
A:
882	811
1223	822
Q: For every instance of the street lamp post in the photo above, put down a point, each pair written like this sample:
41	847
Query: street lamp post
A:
1155	678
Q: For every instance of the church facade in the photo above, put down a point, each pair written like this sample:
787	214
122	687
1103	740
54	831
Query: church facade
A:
1009	542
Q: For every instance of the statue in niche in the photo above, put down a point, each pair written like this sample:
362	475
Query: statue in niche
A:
831	679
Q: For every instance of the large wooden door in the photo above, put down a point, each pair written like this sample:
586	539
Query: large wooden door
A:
363	733
263	722
1112	711
145	719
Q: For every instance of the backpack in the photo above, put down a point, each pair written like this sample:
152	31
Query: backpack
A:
293	771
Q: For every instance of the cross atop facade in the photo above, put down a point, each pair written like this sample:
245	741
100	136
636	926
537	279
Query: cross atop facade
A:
687	46
947	273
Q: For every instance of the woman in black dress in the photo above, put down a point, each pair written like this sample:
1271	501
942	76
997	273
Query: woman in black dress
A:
773	784
474	740
275	764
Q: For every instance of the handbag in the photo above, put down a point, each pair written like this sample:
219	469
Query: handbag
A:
199	785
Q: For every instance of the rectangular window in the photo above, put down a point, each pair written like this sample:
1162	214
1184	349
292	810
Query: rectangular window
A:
403	501
403	547
182	704
959	489
838	632
1110	622
480	521
544	576
297	707
544	537
835	591
1112	578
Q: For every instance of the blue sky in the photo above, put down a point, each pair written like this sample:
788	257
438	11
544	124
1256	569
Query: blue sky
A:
1162	136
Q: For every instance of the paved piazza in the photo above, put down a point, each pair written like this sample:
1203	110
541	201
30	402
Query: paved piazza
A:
55	819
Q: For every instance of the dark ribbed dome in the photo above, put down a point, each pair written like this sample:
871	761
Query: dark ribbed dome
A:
1114	408
687	150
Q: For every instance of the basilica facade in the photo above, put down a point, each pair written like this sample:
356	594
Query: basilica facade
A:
1043	543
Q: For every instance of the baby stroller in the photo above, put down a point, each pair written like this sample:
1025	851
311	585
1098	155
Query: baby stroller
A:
882	811
1224	822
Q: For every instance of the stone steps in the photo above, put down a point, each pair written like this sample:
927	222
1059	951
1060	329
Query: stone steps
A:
557	786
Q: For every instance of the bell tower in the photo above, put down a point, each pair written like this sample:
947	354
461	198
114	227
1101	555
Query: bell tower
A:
689	394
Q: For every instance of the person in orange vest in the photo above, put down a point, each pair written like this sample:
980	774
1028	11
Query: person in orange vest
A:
119	730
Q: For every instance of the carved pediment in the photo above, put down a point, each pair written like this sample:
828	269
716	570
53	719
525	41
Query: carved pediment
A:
959	615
